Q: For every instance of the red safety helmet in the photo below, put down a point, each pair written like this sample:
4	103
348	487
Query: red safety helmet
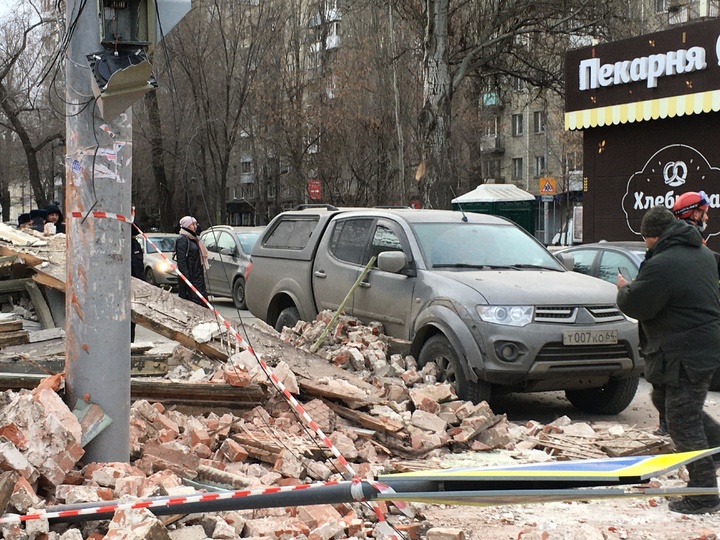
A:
688	202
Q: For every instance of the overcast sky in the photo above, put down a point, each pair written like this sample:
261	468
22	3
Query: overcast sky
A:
6	7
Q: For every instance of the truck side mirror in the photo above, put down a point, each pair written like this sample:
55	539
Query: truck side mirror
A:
392	261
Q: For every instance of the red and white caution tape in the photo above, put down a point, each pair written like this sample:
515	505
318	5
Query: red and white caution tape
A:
102	215
161	502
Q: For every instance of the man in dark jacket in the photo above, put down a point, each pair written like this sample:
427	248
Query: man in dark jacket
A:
191	255
676	300
137	267
55	216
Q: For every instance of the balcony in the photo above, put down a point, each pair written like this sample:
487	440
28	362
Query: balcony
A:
492	144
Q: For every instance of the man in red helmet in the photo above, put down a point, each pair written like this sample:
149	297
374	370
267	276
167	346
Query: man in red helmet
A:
693	207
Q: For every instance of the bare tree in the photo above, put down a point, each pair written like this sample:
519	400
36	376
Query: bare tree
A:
215	58
485	39
25	109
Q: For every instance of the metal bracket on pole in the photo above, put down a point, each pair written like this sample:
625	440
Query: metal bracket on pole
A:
362	275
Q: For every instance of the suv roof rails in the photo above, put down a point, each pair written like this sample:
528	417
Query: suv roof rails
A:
392	207
306	206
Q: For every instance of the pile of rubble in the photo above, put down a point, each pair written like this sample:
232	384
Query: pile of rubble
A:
418	424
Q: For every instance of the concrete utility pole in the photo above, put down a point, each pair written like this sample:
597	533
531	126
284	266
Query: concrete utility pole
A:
98	177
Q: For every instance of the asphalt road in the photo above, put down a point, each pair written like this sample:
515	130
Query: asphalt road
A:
543	407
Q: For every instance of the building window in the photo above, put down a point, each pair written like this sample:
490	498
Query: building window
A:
539	121
491	126
574	161
246	167
517	125
271	190
661	6
517	164
518	84
539	166
491	169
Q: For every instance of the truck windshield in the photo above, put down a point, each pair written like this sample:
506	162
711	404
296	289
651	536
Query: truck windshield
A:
480	245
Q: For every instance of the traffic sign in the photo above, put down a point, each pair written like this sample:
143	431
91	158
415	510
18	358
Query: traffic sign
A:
547	186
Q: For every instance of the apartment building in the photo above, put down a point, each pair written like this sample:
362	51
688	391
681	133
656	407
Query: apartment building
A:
524	141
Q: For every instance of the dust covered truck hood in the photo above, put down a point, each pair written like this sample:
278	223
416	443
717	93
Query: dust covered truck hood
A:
535	287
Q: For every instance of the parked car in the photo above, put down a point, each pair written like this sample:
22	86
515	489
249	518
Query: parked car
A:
473	293
159	271
229	254
605	259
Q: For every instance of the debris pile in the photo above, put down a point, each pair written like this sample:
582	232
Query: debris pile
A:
175	454
417	423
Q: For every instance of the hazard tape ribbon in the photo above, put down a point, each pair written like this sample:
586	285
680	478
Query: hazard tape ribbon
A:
167	501
266	369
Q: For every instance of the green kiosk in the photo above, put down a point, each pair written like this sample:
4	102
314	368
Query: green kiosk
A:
505	200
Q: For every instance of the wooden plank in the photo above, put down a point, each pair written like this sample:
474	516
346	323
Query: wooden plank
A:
14	338
271	442
28	258
49	281
11	326
41	307
27	365
140	365
148	365
366	420
13	285
168	392
46	335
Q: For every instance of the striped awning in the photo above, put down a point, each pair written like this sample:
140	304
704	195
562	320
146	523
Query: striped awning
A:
653	109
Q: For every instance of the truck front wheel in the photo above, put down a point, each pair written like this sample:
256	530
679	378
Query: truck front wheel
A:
613	398
439	350
288	317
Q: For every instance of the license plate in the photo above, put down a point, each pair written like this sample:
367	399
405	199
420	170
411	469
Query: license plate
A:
590	337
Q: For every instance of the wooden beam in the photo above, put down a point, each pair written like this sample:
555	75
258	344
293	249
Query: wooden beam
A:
11	326
14	338
169	392
41	307
13	285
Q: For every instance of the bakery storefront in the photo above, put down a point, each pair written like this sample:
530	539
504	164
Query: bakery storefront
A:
648	107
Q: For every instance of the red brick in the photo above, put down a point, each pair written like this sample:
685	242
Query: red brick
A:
14	435
199	435
233	451
314	516
439	533
237	377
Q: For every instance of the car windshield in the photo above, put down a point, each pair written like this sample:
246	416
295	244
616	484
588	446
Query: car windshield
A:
165	244
247	240
480	245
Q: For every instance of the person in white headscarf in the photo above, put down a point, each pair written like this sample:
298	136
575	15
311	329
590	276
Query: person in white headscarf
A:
191	255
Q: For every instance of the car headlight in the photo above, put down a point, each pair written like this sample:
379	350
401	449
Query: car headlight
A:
506	315
163	266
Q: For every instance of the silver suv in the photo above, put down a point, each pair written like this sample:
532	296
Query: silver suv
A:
229	251
473	293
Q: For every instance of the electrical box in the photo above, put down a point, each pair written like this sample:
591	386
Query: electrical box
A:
138	22
124	22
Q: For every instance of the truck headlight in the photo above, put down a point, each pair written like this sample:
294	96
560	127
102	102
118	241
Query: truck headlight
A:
506	315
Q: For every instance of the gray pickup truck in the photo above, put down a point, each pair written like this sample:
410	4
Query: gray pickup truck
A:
473	293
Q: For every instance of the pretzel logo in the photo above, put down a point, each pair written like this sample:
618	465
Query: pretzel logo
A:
675	173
